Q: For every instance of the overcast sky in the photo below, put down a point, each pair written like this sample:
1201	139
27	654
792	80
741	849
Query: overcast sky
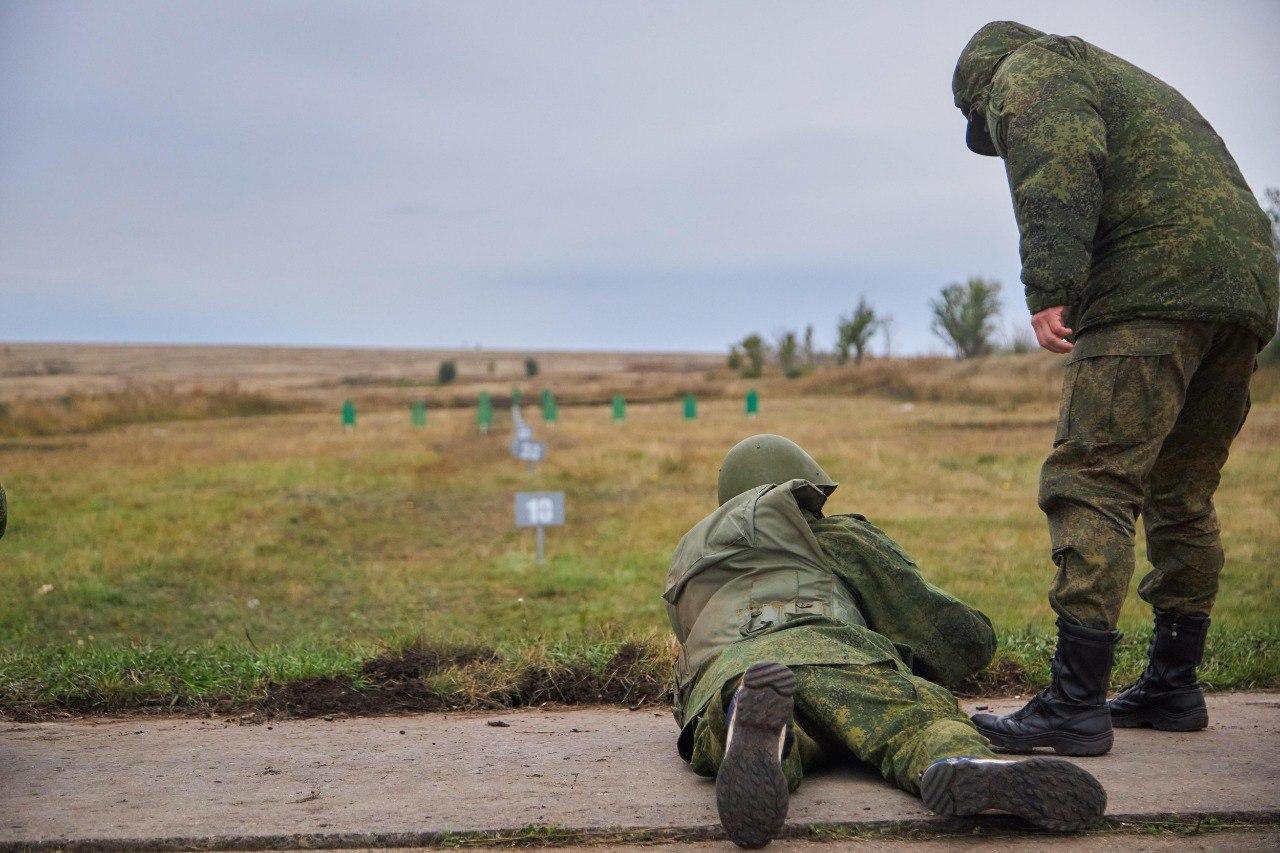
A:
553	175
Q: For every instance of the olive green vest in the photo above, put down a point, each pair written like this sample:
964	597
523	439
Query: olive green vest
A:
751	567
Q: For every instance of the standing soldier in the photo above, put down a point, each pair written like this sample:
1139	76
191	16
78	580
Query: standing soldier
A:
1147	258
804	638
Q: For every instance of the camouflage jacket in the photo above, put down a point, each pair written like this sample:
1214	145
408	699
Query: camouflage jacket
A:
907	621
1128	203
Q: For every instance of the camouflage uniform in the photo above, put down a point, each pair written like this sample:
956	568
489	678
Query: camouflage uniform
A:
1149	410
806	639
1135	217
859	687
1128	203
880	714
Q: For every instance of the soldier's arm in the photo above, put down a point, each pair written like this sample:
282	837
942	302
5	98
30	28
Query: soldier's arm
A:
949	639
1044	120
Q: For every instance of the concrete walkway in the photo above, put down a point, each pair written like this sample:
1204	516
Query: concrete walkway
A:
174	783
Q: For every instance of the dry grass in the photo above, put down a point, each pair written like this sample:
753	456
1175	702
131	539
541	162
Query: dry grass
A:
51	389
1004	381
211	558
76	413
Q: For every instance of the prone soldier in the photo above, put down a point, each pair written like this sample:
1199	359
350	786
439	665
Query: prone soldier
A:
806	639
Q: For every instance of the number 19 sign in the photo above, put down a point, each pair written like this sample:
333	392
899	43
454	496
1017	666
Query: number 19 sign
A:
539	510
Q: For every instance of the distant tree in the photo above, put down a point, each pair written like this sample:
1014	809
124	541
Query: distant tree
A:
855	331
1271	353
788	348
448	372
964	316
886	328
809	350
735	358
755	350
531	367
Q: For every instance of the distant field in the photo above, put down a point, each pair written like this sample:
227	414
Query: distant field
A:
65	389
278	562
319	374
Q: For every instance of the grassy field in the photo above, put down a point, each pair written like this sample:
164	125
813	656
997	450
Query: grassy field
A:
276	562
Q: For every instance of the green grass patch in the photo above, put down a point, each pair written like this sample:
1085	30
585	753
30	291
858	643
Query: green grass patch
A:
311	680
212	564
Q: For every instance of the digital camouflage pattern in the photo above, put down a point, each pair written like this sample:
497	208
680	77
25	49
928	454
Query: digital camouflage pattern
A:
881	714
1149	411
1128	203
909	624
939	636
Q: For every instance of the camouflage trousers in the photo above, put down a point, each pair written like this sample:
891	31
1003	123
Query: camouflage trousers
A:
877	713
1149	411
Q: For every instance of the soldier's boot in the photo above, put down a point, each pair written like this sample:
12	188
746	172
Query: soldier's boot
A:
751	790
1071	714
1051	793
1167	696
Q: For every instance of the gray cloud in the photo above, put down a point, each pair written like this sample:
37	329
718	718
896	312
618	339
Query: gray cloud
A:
557	175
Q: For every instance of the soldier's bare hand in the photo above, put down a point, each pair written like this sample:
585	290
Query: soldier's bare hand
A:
1050	331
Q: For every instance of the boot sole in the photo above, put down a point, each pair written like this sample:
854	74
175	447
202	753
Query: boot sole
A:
1063	744
1051	793
1165	721
751	791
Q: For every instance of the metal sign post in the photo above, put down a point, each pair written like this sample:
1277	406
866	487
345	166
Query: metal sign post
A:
348	414
753	403
484	412
539	510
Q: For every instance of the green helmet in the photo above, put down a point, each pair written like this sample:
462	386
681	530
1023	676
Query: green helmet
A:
766	458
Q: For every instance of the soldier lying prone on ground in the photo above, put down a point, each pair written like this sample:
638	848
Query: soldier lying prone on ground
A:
808	639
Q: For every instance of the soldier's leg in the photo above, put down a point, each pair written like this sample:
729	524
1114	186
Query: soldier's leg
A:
749	740
889	718
914	731
1122	392
1182	529
802	751
1183	538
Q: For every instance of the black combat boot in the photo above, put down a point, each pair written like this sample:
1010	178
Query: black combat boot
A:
1167	695
751	790
1070	715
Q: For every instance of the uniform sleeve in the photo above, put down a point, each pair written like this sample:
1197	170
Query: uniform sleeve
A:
1043	117
949	640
